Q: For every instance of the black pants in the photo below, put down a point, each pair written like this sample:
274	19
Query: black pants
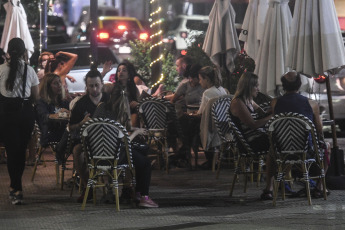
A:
17	126
142	167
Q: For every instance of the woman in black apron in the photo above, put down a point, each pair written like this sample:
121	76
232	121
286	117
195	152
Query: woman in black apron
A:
18	85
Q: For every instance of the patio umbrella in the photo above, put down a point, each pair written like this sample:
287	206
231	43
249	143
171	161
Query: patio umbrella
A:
221	41
316	44
16	25
270	61
253	26
316	47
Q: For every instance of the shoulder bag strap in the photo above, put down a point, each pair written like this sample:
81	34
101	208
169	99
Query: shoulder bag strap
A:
24	79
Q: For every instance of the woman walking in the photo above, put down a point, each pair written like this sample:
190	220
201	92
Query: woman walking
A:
18	84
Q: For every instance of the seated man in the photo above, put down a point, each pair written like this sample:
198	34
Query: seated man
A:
292	101
81	113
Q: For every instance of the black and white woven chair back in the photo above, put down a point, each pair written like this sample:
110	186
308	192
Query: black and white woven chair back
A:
289	132
103	138
220	115
154	113
240	141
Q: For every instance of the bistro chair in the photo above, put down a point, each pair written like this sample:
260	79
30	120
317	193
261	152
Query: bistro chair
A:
290	135
220	115
40	157
246	158
106	143
155	114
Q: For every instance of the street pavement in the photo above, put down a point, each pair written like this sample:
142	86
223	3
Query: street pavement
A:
188	199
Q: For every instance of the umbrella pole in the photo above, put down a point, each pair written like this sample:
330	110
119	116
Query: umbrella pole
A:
331	113
334	177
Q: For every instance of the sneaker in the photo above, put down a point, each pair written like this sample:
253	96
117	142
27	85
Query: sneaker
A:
89	196
12	194
146	202
17	199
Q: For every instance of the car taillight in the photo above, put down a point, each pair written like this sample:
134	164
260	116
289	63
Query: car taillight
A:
122	27
183	34
103	35
143	36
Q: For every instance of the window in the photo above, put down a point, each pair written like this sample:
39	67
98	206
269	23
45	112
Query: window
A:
200	25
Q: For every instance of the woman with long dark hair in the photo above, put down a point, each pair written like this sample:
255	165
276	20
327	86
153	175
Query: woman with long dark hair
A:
118	108
124	77
18	84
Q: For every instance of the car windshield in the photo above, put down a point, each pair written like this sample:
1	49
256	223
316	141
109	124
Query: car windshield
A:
104	54
200	25
174	24
116	24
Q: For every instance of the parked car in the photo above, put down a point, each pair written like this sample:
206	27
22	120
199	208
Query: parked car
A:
82	66
56	30
84	20
182	29
337	85
117	32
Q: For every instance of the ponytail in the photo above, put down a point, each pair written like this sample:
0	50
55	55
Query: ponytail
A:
16	50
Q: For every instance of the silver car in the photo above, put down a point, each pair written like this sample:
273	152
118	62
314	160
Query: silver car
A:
82	66
337	84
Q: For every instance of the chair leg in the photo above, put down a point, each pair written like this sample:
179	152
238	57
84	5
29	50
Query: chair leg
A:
275	191
215	155
57	171
261	163
306	180
233	184
252	170
90	183
63	167
85	196
116	189
219	165
38	158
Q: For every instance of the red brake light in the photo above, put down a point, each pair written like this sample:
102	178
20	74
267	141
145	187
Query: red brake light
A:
103	35
183	52
143	36
122	27
183	34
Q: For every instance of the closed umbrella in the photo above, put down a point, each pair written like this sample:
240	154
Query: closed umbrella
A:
16	25
270	61
316	47
316	44
221	41
253	26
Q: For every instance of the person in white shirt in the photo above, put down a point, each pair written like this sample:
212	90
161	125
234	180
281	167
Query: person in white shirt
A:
18	85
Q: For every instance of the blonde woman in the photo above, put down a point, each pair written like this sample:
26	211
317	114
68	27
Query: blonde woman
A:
49	107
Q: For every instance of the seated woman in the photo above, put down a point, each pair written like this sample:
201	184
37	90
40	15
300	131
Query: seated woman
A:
210	80
52	102
61	66
124	77
244	113
118	108
42	62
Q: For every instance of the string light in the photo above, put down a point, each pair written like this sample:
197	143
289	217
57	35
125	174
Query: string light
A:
155	25
156	12
156	34
157	60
